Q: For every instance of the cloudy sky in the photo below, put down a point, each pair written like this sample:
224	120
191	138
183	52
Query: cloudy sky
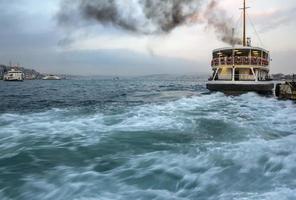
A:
31	35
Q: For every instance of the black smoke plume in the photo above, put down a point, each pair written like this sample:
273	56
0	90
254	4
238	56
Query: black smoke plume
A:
146	16
221	23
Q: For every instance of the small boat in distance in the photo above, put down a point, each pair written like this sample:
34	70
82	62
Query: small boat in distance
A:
51	77
241	68
14	75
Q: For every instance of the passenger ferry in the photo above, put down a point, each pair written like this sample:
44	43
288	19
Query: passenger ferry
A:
14	75
52	77
242	68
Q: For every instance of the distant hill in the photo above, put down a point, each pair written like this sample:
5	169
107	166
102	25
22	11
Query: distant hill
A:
30	74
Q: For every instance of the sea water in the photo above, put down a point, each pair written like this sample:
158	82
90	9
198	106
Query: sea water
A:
160	138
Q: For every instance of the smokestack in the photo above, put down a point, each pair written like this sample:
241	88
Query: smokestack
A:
233	32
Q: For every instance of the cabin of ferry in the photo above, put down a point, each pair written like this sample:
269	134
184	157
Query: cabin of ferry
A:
14	75
240	64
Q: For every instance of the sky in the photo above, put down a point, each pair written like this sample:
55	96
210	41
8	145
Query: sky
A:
31	35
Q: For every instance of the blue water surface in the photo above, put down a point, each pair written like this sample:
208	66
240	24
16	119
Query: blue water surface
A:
157	137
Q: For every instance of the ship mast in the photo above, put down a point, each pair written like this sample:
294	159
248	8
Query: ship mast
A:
244	31
244	26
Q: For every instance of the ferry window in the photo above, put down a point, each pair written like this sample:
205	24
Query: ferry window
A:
216	54
226	53
242	52
265	55
256	53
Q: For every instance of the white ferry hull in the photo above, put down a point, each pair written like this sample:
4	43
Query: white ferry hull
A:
15	80
52	78
241	86
9	78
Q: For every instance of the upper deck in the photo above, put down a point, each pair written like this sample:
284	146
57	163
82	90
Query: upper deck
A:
240	57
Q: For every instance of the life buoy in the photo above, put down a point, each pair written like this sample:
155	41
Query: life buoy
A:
238	60
246	61
216	61
254	61
229	60
265	62
259	61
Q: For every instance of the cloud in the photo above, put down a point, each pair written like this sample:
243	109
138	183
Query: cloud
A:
26	25
29	35
282	61
274	18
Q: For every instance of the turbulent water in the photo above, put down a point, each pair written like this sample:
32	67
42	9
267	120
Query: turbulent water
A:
143	138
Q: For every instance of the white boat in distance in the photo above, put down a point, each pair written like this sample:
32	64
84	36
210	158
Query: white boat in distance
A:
14	75
52	77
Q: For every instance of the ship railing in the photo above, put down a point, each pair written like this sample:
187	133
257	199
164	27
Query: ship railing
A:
244	77
240	60
225	77
237	77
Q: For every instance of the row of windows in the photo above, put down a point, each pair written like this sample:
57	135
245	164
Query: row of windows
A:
240	60
241	52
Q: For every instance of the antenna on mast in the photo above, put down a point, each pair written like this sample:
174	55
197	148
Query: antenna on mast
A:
244	24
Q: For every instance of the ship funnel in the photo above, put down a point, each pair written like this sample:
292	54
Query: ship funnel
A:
232	39
249	42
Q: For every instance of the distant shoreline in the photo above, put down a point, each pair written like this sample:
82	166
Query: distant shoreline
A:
31	74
